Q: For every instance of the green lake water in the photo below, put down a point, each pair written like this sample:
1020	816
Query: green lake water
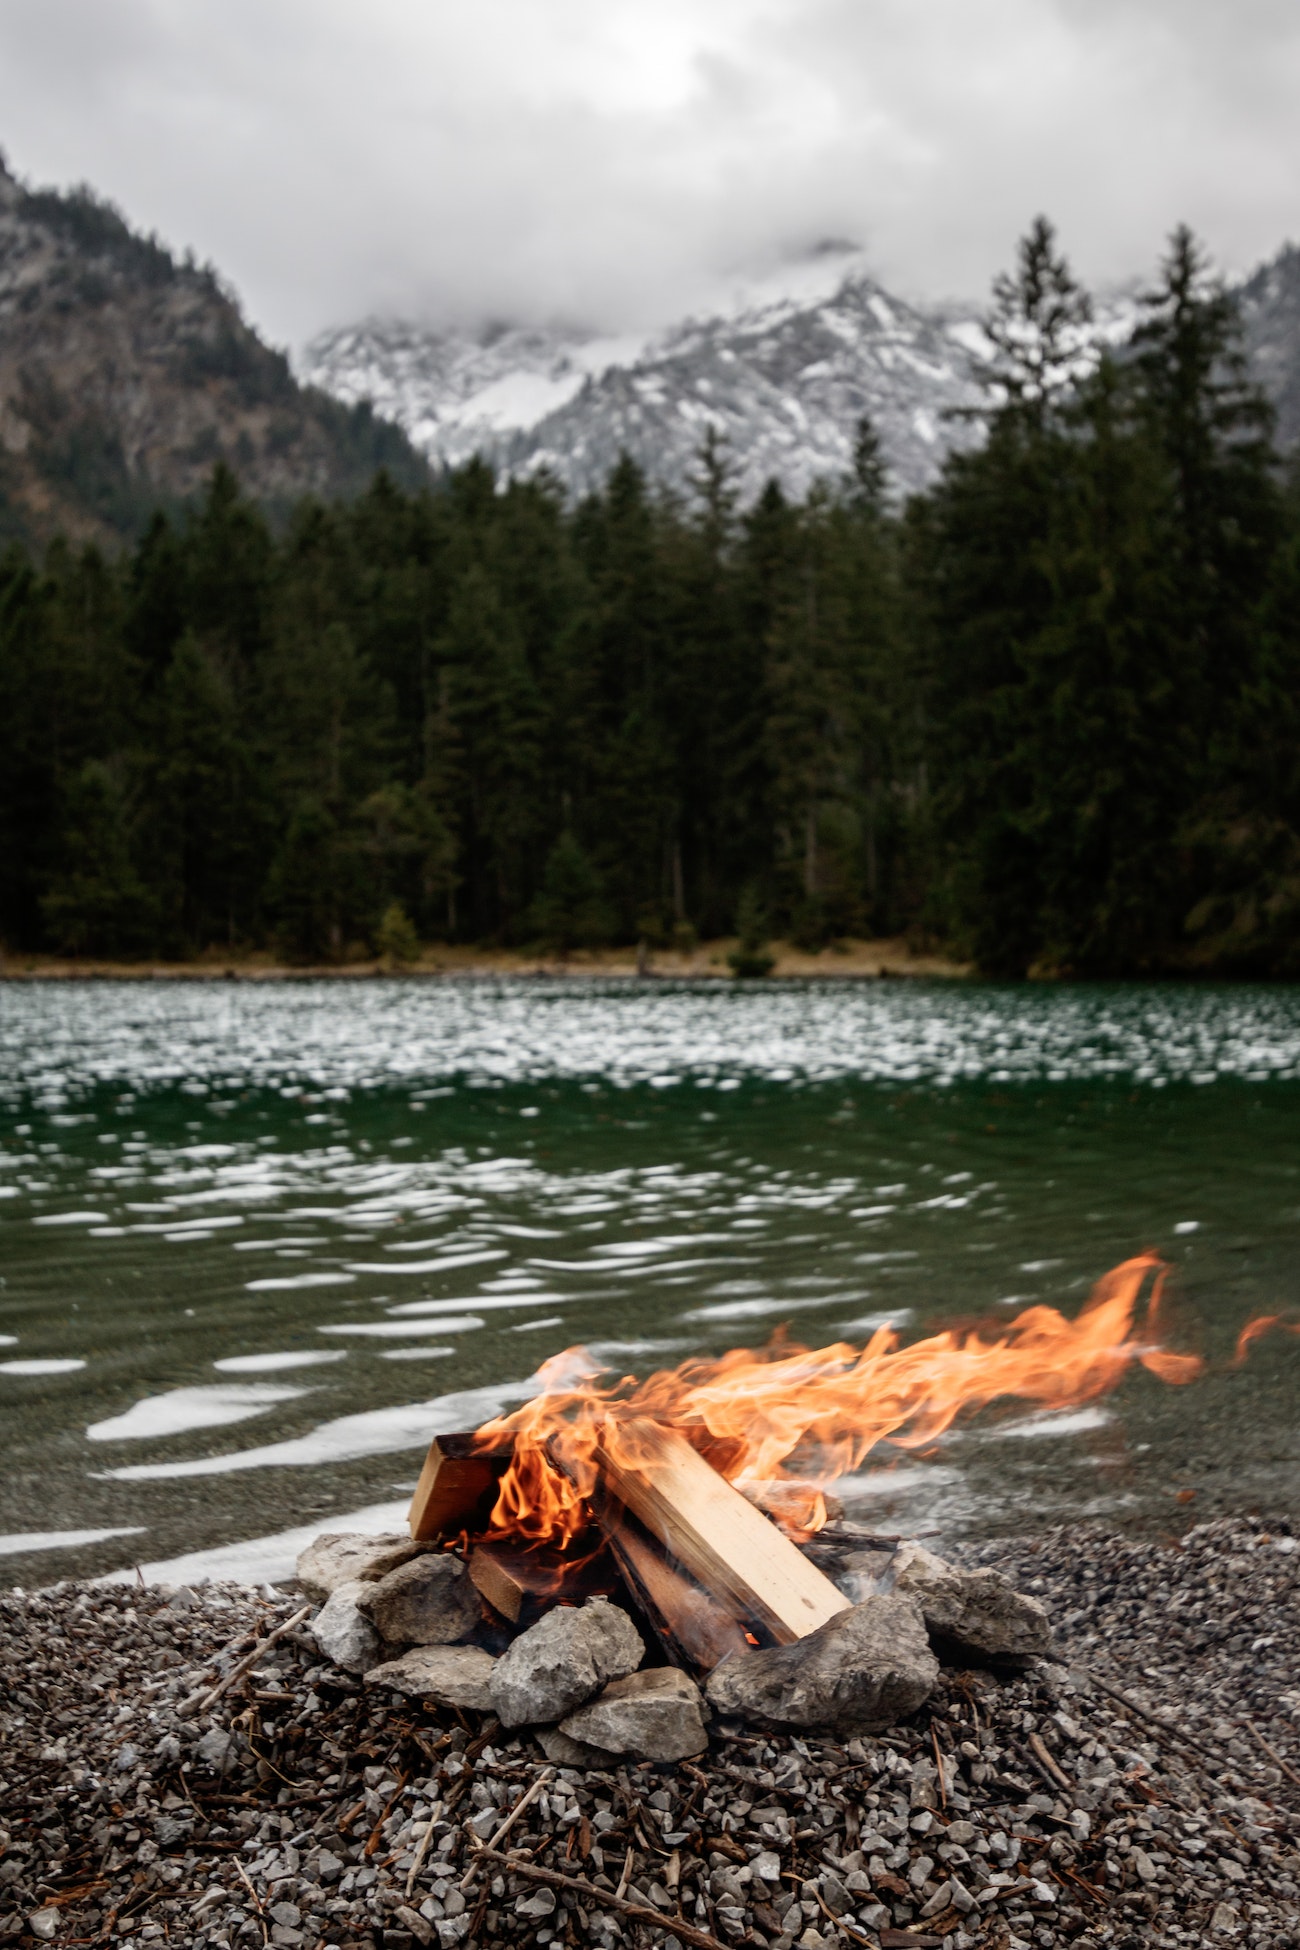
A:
258	1242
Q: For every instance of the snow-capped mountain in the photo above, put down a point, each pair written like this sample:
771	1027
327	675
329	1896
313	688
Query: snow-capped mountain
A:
783	369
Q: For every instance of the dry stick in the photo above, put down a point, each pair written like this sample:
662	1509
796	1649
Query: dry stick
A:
606	1899
1161	1726
246	1665
1044	1754
529	1795
257	1900
629	1861
938	1764
1098	1895
372	1846
426	1842
1272	1752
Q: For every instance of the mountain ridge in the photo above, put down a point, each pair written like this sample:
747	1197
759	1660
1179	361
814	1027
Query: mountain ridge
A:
126	375
783	375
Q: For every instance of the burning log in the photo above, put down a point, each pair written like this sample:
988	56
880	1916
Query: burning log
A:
510	1575
695	1629
458	1485
728	1547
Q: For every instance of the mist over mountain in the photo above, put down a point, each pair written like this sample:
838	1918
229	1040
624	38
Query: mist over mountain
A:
784	371
126	374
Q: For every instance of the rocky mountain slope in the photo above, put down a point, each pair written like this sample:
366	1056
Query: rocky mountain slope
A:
125	375
783	371
1270	310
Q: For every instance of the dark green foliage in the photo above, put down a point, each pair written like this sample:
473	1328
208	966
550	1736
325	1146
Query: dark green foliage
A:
97	903
1048	714
395	937
569	911
96	229
751	957
509	720
1095	586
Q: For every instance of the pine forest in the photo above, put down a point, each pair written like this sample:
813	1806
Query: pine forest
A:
1045	716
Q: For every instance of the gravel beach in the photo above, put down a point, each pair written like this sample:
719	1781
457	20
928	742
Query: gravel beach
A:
1142	1787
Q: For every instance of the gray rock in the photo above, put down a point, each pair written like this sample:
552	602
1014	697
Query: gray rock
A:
860	1574
428	1601
457	1675
561	1751
343	1632
562	1660
214	1747
656	1714
346	1556
859	1672
972	1616
541	1902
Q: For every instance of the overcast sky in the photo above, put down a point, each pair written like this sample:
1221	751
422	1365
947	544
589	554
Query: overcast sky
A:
606	160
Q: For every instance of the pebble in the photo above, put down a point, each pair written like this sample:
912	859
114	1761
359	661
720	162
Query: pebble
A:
1009	1813
344	1633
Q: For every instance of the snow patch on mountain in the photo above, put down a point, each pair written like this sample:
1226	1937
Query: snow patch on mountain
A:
783	366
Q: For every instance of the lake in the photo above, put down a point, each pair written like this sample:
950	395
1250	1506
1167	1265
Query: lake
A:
259	1241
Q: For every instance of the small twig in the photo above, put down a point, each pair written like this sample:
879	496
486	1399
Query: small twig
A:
426	1843
938	1767
626	1877
1272	1752
372	1844
1098	1895
607	1899
1144	1713
133	1901
529	1795
246	1665
257	1900
484	1739
1044	1754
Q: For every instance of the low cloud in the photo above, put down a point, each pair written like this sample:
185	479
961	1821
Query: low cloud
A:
612	161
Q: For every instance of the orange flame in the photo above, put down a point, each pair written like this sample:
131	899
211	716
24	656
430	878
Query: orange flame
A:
1254	1330
780	1420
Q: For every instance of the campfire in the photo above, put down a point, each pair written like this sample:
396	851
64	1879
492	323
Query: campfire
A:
697	1507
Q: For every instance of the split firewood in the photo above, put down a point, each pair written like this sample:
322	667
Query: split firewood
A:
731	1549
458	1485
697	1630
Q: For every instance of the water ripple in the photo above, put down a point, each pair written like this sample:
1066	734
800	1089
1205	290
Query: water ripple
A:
57	1044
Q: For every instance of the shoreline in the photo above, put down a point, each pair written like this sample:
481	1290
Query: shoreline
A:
1137	1787
865	960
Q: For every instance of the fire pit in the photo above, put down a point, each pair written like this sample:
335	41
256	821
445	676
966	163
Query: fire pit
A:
618	1564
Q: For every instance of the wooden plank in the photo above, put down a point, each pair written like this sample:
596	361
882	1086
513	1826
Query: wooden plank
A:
509	1574
727	1546
696	1629
458	1486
